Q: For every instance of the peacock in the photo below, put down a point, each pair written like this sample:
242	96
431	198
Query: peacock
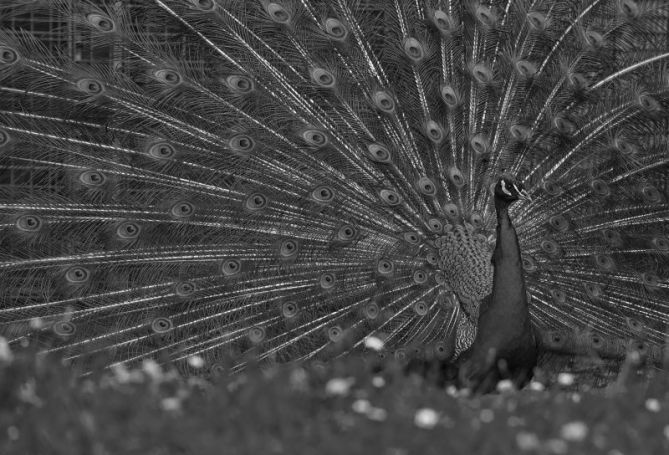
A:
277	181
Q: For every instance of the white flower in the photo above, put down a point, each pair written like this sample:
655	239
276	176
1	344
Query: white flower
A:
426	418
537	386
653	405
505	385
195	361
487	416
527	441
374	343
152	369
574	431
6	354
121	373
557	446
13	433
565	379
170	404
36	323
378	381
361	406
377	414
298	379
339	386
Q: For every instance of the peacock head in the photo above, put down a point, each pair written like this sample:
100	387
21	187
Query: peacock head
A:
509	190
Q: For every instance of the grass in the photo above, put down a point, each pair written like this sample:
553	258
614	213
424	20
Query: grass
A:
339	408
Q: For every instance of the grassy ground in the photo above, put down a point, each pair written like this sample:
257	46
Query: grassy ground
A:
342	408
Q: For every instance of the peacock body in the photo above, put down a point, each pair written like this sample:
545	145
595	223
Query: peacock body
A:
279	180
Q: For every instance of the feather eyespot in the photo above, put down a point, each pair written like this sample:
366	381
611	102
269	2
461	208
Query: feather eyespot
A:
651	194
77	275
480	143
29	223
92	178
435	225
240	84
204	5
456	177
537	21
315	138
390	197
327	281
378	153
101	22
162	150
256	202
64	328
526	68
551	247
323	194
256	334
8	56
385	267
600	187
161	325
182	209
278	13
426	186
612	237
90	86
335	29
185	288
629	8
444	23
288	248
552	188
558	296
231	267
597	341
420	308
559	223
335	333
411	237
414	49
128	230
323	78
451	210
556	339
241	143
482	74
290	309
431	257
441	351
593	290
485	16
434	131
371	310
384	102
5	138
450	96
347	232
419	277
168	77
661	243
650	280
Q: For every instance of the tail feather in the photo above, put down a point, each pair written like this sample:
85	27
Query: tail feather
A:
280	180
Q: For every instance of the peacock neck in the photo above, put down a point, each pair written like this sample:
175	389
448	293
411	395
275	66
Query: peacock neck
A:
509	292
